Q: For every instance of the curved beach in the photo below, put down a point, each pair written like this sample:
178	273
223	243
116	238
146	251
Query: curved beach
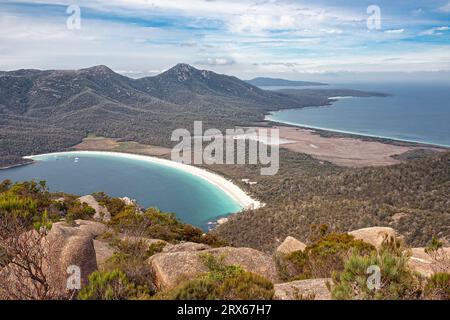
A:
228	187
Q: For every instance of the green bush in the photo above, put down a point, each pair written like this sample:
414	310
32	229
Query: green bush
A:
438	287
130	259
78	211
320	258
222	282
397	280
155	248
245	286
165	226
113	285
114	205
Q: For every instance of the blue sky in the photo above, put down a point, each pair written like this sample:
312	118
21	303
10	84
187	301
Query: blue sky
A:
318	39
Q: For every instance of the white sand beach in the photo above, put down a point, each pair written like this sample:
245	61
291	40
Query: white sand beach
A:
232	190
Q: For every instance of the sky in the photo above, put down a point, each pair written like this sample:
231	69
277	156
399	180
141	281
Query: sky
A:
298	40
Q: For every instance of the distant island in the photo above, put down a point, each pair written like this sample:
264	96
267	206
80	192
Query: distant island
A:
274	82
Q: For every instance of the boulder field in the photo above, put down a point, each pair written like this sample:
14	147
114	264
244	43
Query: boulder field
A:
81	244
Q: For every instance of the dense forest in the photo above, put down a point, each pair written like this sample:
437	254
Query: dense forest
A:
412	197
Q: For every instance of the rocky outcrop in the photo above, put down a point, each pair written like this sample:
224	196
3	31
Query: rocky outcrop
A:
70	246
185	246
103	251
93	228
171	268
311	289
147	241
290	245
101	212
426	265
374	235
56	257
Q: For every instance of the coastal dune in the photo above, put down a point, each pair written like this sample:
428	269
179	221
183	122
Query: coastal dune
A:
228	187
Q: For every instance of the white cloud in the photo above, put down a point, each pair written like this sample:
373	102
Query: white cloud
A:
265	37
395	31
216	62
435	31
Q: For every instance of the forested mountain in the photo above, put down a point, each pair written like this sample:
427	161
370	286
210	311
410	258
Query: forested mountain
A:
411	197
44	111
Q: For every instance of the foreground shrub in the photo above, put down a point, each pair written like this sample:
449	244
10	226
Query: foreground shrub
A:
438	287
397	281
222	282
155	224
112	285
130	258
319	259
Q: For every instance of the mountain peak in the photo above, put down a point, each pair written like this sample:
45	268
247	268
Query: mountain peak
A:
183	66
99	70
182	71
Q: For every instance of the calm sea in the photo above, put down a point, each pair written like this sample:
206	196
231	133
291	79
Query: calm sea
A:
417	112
193	199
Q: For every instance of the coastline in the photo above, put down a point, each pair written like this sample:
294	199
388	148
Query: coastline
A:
227	186
357	135
329	132
17	165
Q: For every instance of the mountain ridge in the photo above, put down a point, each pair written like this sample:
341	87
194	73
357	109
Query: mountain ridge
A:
52	110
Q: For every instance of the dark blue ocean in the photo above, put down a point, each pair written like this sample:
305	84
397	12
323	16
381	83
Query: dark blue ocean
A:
417	112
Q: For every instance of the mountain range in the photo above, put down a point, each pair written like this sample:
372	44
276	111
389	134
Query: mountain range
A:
45	111
52	110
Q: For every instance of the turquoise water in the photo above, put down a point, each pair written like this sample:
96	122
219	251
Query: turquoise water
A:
417	112
193	199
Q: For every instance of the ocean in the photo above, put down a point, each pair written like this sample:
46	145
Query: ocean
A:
415	112
193	199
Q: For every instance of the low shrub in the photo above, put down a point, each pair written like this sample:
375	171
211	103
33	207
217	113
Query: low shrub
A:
113	285
396	280
222	282
130	259
165	226
438	287
78	211
319	259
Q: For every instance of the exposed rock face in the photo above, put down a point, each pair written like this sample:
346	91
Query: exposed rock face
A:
103	251
290	245
171	268
424	264
101	213
93	228
374	235
185	246
303	290
147	241
129	202
70	246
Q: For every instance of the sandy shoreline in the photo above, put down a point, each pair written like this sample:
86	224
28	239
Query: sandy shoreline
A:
232	190
360	136
345	151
